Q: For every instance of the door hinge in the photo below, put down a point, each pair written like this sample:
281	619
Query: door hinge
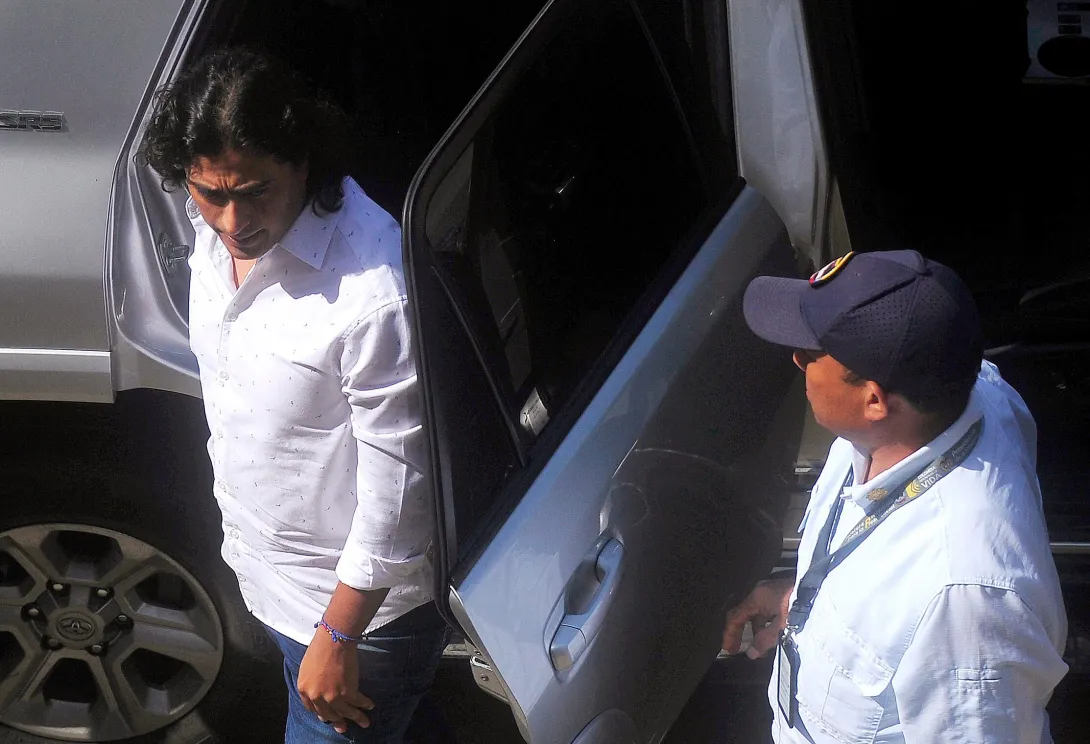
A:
485	676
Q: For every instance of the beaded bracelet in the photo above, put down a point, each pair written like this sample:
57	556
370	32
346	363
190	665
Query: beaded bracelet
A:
336	635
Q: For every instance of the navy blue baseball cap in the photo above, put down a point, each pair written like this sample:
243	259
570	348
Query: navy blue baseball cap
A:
894	317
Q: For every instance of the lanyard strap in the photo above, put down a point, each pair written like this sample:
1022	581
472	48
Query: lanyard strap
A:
883	505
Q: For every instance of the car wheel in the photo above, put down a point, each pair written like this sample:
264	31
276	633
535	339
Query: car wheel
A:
118	619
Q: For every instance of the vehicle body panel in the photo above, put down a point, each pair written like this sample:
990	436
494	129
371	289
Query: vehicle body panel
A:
149	239
56	374
55	189
781	148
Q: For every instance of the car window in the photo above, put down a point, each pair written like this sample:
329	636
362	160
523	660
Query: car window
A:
580	196
690	37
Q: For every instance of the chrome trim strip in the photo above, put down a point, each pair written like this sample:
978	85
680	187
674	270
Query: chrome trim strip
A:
72	375
1070	548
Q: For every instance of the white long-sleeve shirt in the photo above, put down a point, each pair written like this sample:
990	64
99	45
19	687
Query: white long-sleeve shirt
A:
311	396
947	623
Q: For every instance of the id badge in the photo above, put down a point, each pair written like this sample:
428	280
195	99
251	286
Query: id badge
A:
787	662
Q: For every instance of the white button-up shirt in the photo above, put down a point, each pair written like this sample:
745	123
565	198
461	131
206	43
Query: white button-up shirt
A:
311	396
947	623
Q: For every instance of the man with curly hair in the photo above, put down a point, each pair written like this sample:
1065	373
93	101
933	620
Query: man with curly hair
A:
299	322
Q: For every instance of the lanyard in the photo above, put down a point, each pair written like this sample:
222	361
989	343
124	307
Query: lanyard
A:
883	504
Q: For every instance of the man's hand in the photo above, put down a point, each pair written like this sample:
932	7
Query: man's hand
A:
329	676
766	606
329	683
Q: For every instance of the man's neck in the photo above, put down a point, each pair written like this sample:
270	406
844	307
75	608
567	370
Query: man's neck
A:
885	456
241	269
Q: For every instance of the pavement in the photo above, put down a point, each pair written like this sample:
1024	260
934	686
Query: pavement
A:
729	707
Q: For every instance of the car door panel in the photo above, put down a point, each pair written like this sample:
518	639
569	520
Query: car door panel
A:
695	526
610	445
149	237
612	727
781	145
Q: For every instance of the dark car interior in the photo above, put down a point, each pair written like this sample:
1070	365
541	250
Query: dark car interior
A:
402	70
974	157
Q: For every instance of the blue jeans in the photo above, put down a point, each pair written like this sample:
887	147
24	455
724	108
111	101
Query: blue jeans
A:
397	666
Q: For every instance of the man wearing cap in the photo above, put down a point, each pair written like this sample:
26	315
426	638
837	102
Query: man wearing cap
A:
926	605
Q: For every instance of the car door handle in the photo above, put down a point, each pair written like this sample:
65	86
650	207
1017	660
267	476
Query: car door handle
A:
578	629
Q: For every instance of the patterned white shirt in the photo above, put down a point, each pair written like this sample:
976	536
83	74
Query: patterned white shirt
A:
947	623
311	396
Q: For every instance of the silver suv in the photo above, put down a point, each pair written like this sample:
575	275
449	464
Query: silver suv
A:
616	458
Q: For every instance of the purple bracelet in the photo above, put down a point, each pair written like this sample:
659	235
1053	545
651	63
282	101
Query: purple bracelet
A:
336	635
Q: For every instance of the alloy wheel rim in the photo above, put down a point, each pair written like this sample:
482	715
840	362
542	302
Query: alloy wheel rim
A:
102	636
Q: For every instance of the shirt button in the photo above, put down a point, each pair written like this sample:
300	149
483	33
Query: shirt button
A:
232	317
234	534
224	375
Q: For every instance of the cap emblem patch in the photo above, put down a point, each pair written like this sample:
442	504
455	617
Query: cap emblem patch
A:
830	270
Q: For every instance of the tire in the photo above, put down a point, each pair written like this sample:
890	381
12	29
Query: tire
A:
119	492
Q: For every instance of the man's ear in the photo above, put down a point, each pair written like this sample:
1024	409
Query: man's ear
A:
876	403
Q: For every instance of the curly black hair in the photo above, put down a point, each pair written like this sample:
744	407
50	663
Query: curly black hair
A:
246	100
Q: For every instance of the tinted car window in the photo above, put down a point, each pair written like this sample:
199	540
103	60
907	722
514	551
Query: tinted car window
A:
690	37
549	235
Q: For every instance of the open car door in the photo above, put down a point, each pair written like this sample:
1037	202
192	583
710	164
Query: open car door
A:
783	150
611	448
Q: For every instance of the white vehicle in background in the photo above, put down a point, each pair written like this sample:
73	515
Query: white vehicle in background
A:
616	459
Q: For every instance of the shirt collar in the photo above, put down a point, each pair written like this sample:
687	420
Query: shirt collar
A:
876	488
309	237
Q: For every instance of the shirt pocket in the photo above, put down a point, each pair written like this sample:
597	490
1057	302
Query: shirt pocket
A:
839	686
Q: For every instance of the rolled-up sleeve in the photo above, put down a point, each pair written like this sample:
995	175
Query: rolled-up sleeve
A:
392	524
980	668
